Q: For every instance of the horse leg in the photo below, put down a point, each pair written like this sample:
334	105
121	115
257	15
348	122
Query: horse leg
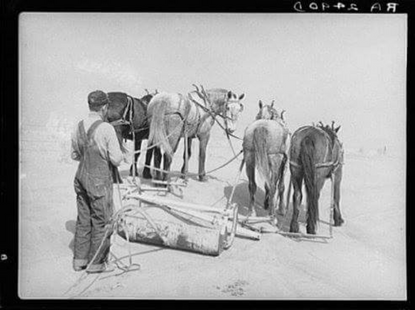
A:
146	171
250	172
174	126
166	167
203	141
281	186
185	167
168	159
275	166
273	190
338	220
297	182
157	162
137	147
266	200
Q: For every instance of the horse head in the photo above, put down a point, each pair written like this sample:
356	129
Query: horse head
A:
330	130
268	112
224	103
232	109
147	97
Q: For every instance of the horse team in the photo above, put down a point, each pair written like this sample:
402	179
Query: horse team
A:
314	152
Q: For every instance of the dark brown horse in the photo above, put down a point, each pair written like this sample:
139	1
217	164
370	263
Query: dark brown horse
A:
129	114
173	116
315	155
265	148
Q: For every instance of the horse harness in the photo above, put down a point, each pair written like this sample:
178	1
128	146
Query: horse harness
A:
209	112
127	117
331	164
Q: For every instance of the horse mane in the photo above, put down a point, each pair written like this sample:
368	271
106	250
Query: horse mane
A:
218	95
217	90
275	115
146	99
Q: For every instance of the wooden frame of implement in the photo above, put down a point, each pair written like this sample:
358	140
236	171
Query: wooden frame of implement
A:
203	229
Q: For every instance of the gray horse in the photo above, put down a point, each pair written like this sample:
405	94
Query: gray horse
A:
173	116
264	147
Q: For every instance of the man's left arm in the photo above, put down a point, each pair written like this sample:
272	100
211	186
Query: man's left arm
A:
113	146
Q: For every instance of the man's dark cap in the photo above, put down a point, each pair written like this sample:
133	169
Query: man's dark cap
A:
97	99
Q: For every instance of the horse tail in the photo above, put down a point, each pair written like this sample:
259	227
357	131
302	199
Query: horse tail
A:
307	151
158	134
261	154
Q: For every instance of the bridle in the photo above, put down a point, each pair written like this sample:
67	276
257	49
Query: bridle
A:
225	108
129	109
211	111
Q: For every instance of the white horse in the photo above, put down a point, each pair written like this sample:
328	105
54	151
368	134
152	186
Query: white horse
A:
173	116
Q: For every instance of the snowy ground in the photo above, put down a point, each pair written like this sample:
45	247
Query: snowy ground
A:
364	260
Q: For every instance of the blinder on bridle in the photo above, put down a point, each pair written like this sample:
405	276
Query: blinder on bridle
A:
232	98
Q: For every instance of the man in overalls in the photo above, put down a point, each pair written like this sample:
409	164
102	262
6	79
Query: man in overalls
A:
96	147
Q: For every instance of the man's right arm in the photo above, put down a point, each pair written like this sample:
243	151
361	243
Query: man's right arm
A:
75	154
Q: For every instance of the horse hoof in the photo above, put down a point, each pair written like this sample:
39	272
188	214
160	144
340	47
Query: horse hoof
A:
160	185
147	175
338	222
281	211
202	178
294	228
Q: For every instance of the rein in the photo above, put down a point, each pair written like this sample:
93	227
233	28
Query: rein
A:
213	115
197	174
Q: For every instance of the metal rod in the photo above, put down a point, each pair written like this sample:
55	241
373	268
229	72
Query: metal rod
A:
301	235
284	233
211	219
236	182
331	206
168	183
153	189
186	159
251	220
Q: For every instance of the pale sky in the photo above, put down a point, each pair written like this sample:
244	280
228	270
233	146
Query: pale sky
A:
343	67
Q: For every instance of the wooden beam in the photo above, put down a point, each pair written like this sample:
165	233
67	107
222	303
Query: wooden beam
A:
170	202
246	233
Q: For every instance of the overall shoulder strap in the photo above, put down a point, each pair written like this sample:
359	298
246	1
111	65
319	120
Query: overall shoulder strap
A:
92	129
